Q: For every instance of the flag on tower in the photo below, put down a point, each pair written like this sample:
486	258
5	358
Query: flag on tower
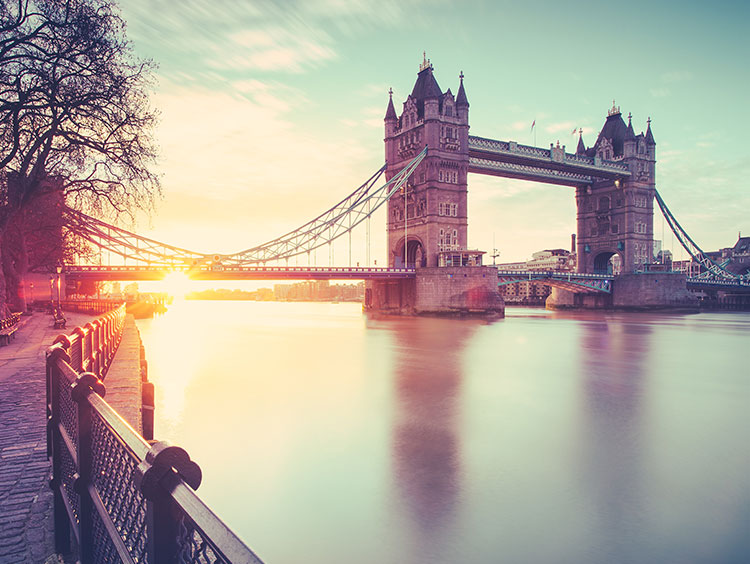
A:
533	123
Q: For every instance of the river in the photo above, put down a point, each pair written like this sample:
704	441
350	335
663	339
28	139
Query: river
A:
328	436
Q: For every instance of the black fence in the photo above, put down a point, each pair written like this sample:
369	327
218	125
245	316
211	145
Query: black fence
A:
90	306
117	497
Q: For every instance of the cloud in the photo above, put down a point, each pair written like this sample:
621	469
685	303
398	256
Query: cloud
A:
561	126
660	92
237	172
676	76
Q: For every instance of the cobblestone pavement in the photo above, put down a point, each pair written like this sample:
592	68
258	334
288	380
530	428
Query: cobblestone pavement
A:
26	531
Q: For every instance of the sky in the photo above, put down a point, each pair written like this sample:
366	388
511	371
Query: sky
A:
271	112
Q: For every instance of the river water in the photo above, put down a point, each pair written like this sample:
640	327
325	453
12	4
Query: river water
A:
328	436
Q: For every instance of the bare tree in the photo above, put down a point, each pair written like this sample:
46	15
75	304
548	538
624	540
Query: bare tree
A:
73	106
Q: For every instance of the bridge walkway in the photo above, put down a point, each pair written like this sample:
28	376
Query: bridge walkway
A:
26	527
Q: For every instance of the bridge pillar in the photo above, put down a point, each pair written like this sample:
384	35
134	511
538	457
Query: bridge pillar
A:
438	291
615	218
632	292
653	290
565	299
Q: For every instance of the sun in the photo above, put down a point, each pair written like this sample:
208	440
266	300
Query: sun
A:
177	284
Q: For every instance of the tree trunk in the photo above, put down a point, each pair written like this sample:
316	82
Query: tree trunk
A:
4	310
15	263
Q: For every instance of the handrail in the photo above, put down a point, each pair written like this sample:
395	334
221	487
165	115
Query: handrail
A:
121	497
90	305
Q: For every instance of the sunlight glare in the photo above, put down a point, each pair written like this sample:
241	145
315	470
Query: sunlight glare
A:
177	284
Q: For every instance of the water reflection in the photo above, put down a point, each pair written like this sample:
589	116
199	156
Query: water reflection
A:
547	437
426	443
613	359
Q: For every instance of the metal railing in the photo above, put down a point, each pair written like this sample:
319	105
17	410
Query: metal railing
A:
90	305
121	498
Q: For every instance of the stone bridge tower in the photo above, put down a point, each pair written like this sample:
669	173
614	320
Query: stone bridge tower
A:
616	218
435	216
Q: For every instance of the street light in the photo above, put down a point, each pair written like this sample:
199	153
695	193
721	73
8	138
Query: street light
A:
59	270
406	218
31	288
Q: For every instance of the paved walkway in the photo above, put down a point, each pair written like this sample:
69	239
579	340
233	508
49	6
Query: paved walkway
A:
26	533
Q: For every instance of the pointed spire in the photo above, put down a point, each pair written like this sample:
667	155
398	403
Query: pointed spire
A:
649	135
390	113
461	99
426	64
581	149
629	133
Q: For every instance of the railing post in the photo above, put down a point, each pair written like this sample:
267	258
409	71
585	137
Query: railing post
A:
86	384
59	512
77	350
88	348
163	515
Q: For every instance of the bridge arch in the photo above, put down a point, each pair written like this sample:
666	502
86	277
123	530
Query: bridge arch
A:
416	254
608	262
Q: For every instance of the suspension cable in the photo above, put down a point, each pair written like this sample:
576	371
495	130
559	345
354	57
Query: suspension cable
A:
692	248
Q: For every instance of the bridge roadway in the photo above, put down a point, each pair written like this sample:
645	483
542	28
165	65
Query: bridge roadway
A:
145	273
732	286
571	281
579	283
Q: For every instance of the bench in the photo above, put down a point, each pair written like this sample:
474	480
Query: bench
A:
59	319
8	328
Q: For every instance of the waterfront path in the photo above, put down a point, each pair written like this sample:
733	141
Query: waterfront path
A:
26	532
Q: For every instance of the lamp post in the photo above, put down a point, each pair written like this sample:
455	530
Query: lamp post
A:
59	270
406	220
31	290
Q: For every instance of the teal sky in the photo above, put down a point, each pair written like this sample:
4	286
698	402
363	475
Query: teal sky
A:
272	111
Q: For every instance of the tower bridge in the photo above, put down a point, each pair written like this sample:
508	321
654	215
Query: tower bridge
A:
430	268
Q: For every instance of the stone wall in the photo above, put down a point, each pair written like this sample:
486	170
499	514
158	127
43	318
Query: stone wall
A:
462	290
457	290
128	390
652	290
646	291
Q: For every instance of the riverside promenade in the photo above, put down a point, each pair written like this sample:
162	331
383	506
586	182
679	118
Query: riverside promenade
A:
26	529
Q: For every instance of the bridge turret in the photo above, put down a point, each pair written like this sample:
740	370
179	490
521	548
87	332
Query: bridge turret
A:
630	142
462	103
650	143
581	148
615	217
391	125
434	206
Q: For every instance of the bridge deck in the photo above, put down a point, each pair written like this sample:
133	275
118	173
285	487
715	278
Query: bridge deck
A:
144	273
553	166
571	281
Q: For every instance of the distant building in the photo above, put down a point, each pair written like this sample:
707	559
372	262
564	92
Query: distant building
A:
735	259
319	291
535	293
